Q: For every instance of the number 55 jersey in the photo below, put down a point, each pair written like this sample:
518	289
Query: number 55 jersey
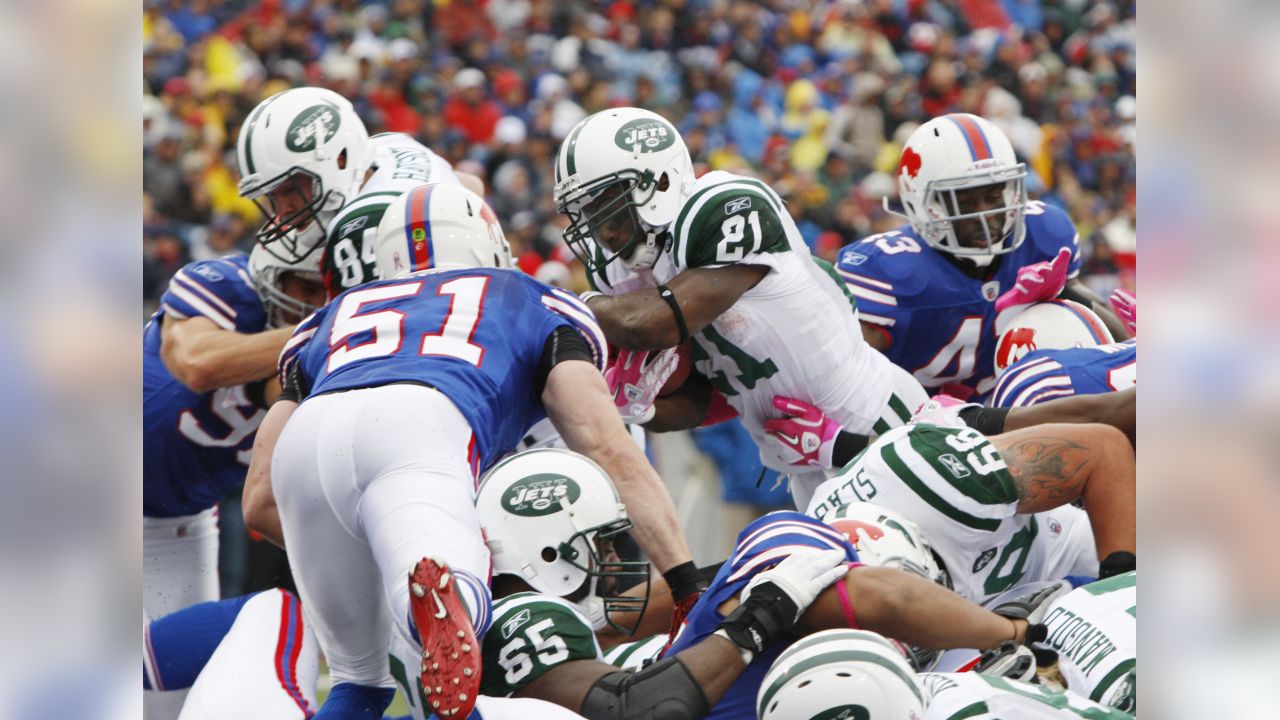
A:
475	335
953	483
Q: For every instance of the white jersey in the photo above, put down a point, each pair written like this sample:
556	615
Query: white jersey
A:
796	333
400	164
973	696
1095	631
636	654
953	483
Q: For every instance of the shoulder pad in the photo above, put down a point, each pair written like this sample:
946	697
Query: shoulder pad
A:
895	262
221	290
705	235
1049	228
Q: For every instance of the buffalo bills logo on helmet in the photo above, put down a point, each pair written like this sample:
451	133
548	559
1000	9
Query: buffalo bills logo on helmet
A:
910	163
1014	345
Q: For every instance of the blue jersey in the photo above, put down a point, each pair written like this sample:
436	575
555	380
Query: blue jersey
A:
761	545
940	321
196	445
475	335
1047	374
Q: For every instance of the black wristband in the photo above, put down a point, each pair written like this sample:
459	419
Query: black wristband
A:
665	293
846	448
256	393
684	580
1117	563
761	619
988	421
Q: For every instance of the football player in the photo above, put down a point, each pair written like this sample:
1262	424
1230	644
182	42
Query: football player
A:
929	292
306	158
859	674
996	509
398	393
208	354
1094	629
550	518
716	262
1059	349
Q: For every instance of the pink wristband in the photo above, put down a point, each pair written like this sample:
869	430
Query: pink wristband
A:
842	591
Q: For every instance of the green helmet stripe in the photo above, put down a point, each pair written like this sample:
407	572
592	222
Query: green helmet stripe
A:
248	138
838	656
571	149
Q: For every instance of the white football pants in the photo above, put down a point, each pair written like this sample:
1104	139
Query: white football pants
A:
368	482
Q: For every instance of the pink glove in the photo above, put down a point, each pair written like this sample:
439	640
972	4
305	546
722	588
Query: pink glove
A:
941	410
635	385
1036	282
806	431
1126	306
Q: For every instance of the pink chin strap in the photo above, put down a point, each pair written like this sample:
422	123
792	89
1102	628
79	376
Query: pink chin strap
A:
842	591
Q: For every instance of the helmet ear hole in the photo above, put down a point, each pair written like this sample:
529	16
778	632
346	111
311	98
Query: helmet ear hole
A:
549	554
342	159
664	182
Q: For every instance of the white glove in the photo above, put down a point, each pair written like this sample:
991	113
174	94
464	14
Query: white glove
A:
635	385
802	576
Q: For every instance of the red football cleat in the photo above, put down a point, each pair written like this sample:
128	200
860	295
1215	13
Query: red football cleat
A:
450	654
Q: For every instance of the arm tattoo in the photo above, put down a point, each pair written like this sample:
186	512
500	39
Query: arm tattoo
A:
1047	471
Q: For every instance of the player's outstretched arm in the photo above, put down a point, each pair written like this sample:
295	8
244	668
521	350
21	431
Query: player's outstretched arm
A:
1078	291
578	403
260	513
911	609
1053	465
205	357
1117	409
645	320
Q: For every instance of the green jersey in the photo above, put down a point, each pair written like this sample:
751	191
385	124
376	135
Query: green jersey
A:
636	654
531	634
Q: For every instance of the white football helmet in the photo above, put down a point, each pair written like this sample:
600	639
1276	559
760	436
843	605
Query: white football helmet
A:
439	226
310	137
885	538
544	513
1050	325
841	674
626	171
950	154
268	270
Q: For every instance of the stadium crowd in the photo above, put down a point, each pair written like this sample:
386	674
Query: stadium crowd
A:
814	98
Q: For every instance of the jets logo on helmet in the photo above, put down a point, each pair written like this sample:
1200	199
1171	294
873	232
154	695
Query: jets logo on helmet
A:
315	120
645	136
540	495
945	165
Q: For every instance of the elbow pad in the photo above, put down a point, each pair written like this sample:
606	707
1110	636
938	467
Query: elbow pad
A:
663	691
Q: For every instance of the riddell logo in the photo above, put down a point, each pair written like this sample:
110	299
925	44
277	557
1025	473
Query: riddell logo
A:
910	162
1016	343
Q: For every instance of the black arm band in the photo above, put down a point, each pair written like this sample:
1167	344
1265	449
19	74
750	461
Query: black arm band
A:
988	421
684	580
256	393
663	691
761	619
294	388
563	344
665	293
847	447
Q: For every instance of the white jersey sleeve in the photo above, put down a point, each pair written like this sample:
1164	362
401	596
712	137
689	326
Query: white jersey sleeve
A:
1094	629
973	696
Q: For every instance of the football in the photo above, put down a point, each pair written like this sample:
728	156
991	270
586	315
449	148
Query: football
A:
684	366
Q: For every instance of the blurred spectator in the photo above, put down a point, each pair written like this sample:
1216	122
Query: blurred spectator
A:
813	98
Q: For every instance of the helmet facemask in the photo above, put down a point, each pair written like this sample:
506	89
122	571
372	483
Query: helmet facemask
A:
291	239
607	207
943	208
600	597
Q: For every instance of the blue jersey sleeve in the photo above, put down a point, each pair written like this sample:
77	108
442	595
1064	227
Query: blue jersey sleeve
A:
1035	378
1050	229
293	348
883	273
567	306
776	536
221	290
